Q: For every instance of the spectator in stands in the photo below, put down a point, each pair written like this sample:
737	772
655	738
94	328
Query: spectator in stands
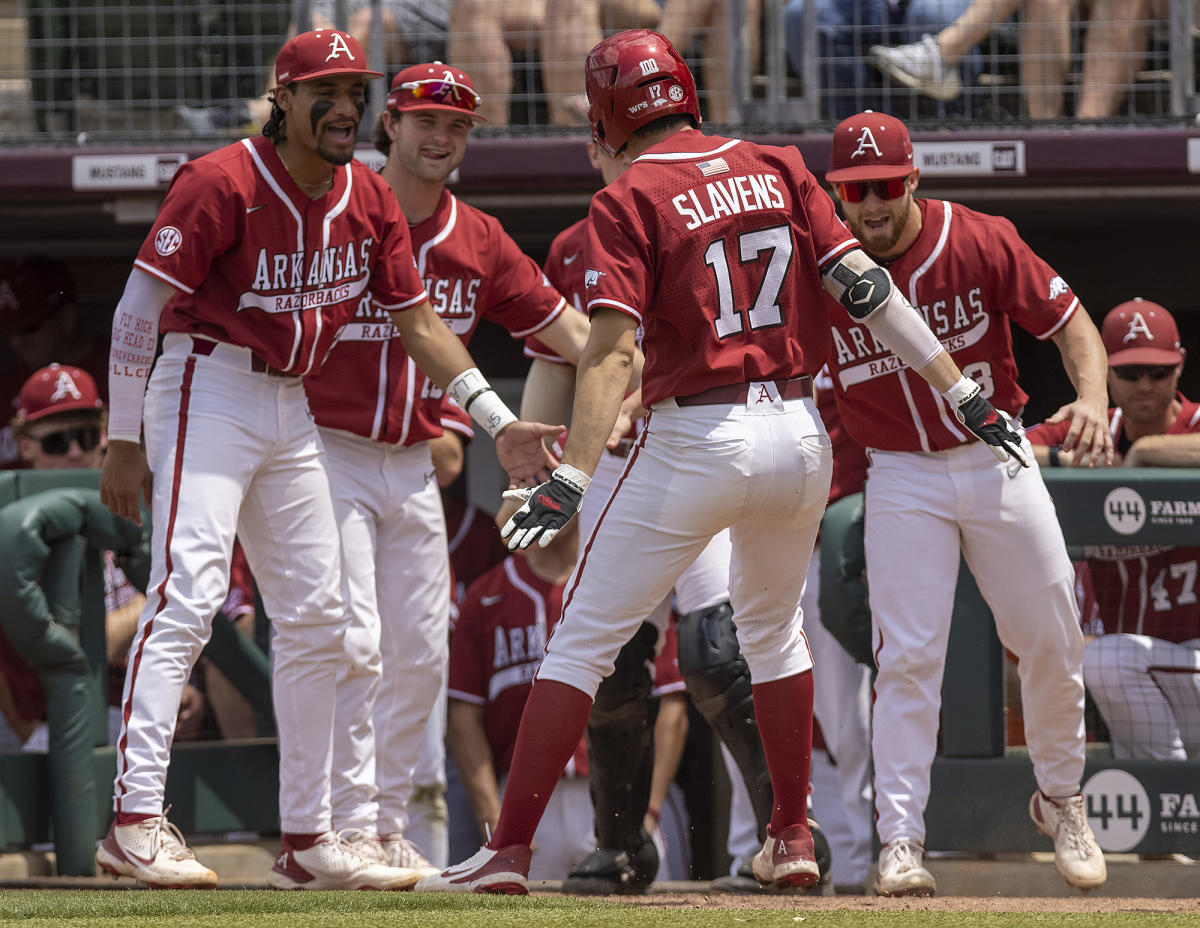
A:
39	320
1143	670
1114	50
684	20
846	28
414	30
496	648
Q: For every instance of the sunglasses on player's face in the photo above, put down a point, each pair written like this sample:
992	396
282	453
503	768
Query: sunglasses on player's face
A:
436	90
855	191
1134	372
59	442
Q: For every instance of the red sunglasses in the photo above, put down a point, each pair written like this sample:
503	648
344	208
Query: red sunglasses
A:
856	191
437	90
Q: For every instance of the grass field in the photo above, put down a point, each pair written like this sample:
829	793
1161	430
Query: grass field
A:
124	909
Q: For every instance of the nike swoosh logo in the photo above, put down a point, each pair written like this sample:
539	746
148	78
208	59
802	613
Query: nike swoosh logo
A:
255	209
491	600
571	260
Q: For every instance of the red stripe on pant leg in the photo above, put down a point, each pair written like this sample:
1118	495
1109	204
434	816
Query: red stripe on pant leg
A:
185	393
587	548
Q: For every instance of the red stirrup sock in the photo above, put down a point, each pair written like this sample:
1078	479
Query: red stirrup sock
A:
553	722
783	709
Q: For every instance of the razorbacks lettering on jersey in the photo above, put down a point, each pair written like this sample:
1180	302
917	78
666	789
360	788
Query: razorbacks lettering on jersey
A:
1141	589
730	238
317	259
472	270
968	274
497	646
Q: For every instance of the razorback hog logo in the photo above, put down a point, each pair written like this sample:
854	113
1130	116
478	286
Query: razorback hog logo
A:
549	502
1058	287
591	278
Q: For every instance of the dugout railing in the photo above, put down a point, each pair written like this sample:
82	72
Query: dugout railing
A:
979	787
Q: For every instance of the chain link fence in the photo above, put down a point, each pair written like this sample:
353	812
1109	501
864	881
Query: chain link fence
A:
159	71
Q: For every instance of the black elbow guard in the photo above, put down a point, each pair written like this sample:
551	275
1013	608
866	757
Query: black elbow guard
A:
865	292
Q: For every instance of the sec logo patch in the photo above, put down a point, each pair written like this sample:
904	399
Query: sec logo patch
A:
168	240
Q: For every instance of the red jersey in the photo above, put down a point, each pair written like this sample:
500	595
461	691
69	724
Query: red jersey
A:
968	274
667	678
564	269
497	647
472	270
1141	589
474	543
315	260
716	247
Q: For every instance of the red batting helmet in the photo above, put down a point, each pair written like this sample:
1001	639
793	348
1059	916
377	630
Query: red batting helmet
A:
634	78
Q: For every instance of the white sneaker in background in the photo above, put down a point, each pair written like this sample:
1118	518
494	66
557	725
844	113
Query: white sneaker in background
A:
1077	856
333	862
902	871
918	65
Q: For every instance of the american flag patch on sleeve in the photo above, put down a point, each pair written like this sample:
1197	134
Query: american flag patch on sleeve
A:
715	166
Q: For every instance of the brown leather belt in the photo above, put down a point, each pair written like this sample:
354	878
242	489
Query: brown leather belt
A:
624	446
733	393
205	347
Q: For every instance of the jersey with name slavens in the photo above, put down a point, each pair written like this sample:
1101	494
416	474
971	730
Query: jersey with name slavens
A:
472	270
497	646
716	247
968	274
258	263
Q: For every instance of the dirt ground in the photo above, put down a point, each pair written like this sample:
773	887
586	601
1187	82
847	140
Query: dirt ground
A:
1092	904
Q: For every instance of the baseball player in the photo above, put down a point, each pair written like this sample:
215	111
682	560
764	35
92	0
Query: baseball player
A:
622	724
498	642
720	249
1143	670
260	253
376	410
933	487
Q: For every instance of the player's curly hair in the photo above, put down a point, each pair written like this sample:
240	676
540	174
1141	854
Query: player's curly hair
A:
383	141
274	127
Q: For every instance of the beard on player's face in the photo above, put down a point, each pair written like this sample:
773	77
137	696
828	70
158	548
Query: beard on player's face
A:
877	223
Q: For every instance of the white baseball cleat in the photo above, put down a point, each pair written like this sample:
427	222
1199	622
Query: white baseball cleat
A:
901	870
918	65
154	852
502	871
787	859
334	863
1077	856
398	851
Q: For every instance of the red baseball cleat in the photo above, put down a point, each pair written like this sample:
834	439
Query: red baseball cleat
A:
787	859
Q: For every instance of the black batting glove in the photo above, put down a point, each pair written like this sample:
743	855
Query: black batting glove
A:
547	508
991	426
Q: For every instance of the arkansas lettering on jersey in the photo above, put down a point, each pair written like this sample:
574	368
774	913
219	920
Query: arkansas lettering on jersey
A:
716	246
497	648
968	274
259	263
472	270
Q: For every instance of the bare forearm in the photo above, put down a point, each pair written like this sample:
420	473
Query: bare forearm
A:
670	735
431	344
473	759
599	390
548	392
1165	451
1084	358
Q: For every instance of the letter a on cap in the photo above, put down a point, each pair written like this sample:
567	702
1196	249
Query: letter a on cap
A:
866	141
338	47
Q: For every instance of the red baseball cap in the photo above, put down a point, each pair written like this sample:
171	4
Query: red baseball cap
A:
320	54
32	291
56	389
869	146
434	86
1141	332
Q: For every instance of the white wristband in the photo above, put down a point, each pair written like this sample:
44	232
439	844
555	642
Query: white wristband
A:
963	390
572	476
473	393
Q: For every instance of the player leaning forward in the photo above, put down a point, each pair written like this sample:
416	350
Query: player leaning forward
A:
929	485
732	306
261	252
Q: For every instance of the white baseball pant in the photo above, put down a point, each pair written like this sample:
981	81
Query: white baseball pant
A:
922	511
1148	691
762	472
396	584
235	452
